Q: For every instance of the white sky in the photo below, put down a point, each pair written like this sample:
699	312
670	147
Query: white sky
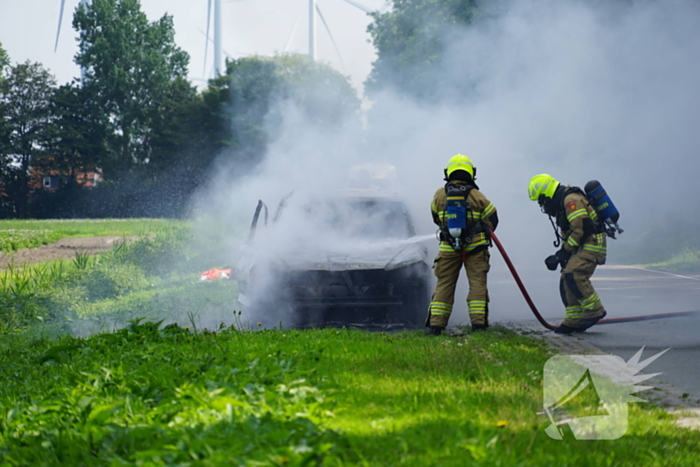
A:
28	32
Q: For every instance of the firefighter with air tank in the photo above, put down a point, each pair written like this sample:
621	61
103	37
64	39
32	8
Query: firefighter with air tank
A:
582	234
462	213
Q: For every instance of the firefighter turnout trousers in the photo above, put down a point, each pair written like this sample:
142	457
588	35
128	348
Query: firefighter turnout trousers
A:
580	299
447	268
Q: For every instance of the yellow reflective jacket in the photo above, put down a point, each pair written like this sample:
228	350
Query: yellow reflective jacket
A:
481	210
580	235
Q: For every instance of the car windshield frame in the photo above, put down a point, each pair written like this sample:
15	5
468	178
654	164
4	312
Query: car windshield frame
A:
340	214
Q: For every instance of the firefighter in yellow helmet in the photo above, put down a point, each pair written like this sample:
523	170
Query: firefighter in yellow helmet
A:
583	249
462	213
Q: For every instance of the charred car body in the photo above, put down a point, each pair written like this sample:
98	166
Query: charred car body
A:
345	258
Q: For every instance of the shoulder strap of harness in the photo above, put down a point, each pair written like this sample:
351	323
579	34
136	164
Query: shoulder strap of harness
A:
562	221
590	226
457	190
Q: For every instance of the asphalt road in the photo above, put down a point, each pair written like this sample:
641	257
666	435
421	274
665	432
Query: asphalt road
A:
625	291
658	293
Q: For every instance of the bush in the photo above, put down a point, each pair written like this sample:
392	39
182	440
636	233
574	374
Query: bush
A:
107	280
158	255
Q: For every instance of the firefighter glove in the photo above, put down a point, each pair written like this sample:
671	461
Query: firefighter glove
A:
552	262
563	256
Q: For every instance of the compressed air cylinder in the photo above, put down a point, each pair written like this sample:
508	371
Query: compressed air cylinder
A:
601	202
456	215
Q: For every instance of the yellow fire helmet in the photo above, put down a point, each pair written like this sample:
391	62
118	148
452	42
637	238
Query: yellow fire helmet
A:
460	162
542	184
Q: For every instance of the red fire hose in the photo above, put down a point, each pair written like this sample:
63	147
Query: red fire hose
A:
602	321
647	317
526	295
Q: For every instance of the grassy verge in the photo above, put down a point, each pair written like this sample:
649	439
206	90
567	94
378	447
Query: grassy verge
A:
13	240
165	395
18	234
687	262
169	396
92	227
154	277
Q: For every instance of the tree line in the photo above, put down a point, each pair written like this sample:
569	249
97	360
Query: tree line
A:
154	137
135	119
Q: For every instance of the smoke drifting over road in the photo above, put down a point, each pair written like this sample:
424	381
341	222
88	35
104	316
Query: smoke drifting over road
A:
580	90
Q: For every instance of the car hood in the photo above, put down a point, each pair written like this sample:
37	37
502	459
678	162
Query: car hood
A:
384	255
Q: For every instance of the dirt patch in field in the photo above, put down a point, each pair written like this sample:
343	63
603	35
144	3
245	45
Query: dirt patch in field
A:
62	249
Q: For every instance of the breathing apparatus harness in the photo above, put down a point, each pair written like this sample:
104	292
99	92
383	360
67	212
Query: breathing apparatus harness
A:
554	208
459	231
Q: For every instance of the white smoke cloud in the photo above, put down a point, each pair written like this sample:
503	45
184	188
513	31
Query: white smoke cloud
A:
580	90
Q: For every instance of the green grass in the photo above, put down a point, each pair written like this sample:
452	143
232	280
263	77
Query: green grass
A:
154	277
68	228
13	240
687	261
20	234
150	394
168	396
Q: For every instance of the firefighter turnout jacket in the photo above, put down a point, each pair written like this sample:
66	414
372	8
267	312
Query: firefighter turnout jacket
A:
578	220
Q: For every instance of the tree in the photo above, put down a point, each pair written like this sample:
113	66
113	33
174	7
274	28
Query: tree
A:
325	96
251	96
4	129
175	129
252	85
76	138
24	107
130	67
182	144
4	59
410	40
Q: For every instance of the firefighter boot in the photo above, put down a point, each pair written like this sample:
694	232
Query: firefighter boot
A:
588	322
479	327
564	329
434	330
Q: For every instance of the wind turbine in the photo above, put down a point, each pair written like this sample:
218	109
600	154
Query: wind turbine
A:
361	6
313	9
312	29
218	51
217	37
58	31
60	20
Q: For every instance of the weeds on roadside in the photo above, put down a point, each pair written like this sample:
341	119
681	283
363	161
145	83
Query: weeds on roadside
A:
19	292
154	276
687	260
140	396
81	261
153	395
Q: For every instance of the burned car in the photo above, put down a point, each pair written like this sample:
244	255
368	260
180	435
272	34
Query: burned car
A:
344	258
